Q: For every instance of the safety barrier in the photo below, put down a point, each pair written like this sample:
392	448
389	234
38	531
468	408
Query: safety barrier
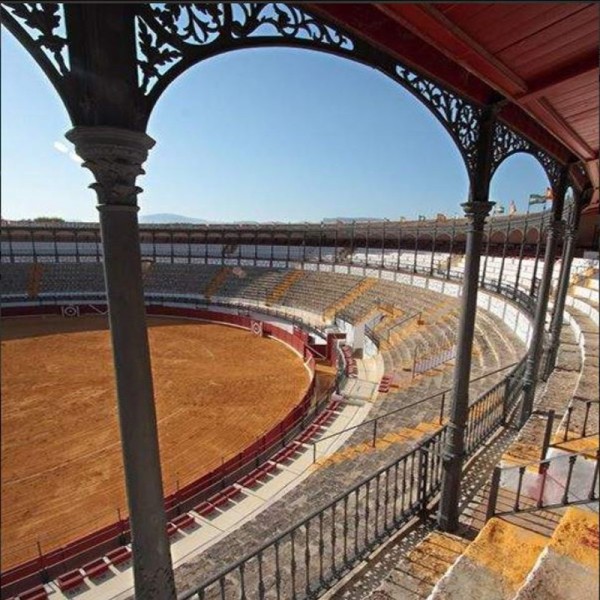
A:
550	483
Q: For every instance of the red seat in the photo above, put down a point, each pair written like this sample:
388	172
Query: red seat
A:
69	581
249	480
183	521
37	593
285	454
309	433
269	468
219	500
233	492
204	509
171	529
119	555
95	568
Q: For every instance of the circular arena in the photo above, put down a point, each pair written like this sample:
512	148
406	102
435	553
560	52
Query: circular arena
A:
324	405
218	389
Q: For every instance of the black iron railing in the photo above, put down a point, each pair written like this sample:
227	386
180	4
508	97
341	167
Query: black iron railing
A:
579	408
377	423
560	480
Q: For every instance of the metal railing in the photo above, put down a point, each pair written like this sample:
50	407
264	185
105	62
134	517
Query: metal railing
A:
550	483
431	361
582	405
311	555
375	423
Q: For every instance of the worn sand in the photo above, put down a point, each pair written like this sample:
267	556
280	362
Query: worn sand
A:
217	389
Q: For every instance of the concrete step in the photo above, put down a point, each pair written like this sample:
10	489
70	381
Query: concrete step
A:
494	566
567	569
416	573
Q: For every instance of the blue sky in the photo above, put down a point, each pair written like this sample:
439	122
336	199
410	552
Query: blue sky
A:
258	135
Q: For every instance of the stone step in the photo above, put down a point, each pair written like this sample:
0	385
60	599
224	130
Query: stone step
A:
415	574
568	567
495	564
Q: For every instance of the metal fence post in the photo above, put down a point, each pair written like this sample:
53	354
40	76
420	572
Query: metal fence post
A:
547	434
493	497
442	408
568	423
505	400
422	485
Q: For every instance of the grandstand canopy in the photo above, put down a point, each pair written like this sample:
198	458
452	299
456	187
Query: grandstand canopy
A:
542	57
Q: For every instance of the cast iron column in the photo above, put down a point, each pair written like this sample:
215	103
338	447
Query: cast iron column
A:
449	265
115	157
367	244
399	244
504	249
537	337
476	211
563	286
521	251
383	247
433	241
416	249
538	251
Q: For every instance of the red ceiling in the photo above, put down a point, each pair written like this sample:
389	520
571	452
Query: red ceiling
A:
542	56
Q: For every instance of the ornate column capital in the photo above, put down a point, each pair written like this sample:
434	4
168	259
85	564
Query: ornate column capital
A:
115	157
476	212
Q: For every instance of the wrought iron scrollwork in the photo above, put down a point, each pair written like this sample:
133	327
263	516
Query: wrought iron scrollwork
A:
169	33
41	24
507	142
155	57
460	117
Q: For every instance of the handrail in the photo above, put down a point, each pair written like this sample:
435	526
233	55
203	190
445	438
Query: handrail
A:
542	474
407	406
536	463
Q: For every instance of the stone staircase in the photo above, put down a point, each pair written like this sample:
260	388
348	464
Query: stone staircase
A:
507	561
216	282
366	284
285	284
35	280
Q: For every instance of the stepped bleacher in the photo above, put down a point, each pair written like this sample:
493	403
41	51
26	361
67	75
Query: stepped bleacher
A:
15	278
536	548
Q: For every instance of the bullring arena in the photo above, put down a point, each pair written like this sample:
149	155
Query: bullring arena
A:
260	437
218	389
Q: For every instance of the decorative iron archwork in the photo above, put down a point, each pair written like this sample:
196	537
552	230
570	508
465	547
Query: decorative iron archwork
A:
38	26
172	37
457	115
507	142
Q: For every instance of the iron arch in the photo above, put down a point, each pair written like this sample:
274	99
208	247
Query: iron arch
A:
225	28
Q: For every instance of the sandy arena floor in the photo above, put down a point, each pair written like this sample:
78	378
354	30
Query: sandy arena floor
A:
217	389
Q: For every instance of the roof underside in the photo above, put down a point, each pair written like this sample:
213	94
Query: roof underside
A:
542	56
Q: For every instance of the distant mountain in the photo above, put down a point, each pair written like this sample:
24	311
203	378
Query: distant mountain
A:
169	218
350	220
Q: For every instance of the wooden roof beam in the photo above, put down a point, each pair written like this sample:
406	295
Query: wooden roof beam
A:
542	85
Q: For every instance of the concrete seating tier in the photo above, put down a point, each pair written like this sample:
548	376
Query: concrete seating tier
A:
15	278
317	291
